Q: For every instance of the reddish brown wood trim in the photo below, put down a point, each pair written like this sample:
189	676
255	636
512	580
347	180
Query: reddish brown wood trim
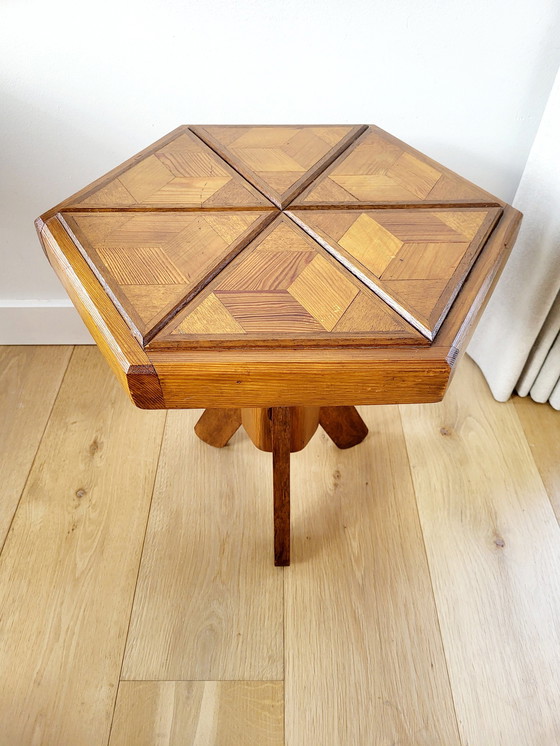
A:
281	427
461	320
343	425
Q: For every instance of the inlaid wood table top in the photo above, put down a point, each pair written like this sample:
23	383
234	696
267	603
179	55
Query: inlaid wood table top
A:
257	266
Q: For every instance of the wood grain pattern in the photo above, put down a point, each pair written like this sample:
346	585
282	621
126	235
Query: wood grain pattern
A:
463	315
281	426
257	423
284	289
334	377
30	378
343	425
416	260
112	174
378	169
208	603
432	267
541	425
490	527
182	173
281	160
330	492
72	556
126	358
199	713
360	612
217	426
337	377
151	264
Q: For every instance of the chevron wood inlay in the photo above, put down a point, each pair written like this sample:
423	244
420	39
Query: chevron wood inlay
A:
379	169
280	236
283	274
284	287
416	260
152	262
280	160
184	173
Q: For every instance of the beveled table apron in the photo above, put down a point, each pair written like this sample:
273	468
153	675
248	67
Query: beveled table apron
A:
279	275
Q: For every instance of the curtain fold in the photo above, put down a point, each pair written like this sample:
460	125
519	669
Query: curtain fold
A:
517	341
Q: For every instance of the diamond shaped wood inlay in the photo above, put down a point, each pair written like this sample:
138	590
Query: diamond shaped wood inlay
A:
285	286
151	263
416	260
280	160
379	169
278	236
183	173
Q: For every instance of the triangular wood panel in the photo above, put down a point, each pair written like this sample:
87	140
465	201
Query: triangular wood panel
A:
285	289
280	160
152	263
415	259
182	174
378	169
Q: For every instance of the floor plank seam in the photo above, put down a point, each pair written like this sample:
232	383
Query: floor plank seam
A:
32	464
445	657
117	688
534	460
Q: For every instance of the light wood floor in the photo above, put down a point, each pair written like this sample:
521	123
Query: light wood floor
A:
139	604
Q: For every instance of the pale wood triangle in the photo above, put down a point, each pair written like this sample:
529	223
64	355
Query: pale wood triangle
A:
284	286
279	160
153	263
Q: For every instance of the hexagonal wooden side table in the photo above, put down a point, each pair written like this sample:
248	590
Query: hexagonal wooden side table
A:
279	275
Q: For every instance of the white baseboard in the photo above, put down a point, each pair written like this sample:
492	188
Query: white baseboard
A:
41	322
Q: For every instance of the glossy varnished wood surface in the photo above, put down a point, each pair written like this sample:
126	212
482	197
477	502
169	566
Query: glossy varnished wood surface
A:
258	426
379	169
343	425
182	173
355	616
217	426
280	160
285	290
183	296
416	260
127	359
152	263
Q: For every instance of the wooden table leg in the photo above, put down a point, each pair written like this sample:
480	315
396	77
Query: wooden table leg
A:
282	430
343	425
217	426
281	435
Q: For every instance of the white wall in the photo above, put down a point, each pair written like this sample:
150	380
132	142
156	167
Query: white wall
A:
84	86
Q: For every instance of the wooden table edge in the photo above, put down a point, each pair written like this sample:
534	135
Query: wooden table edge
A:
126	357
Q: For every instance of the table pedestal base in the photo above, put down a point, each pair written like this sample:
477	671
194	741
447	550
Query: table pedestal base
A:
281	431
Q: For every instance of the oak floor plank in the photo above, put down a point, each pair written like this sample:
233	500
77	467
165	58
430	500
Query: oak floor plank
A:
364	657
493	546
70	562
541	424
199	713
209	601
30	378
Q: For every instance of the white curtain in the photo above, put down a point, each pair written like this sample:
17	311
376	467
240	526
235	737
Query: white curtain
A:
517	342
